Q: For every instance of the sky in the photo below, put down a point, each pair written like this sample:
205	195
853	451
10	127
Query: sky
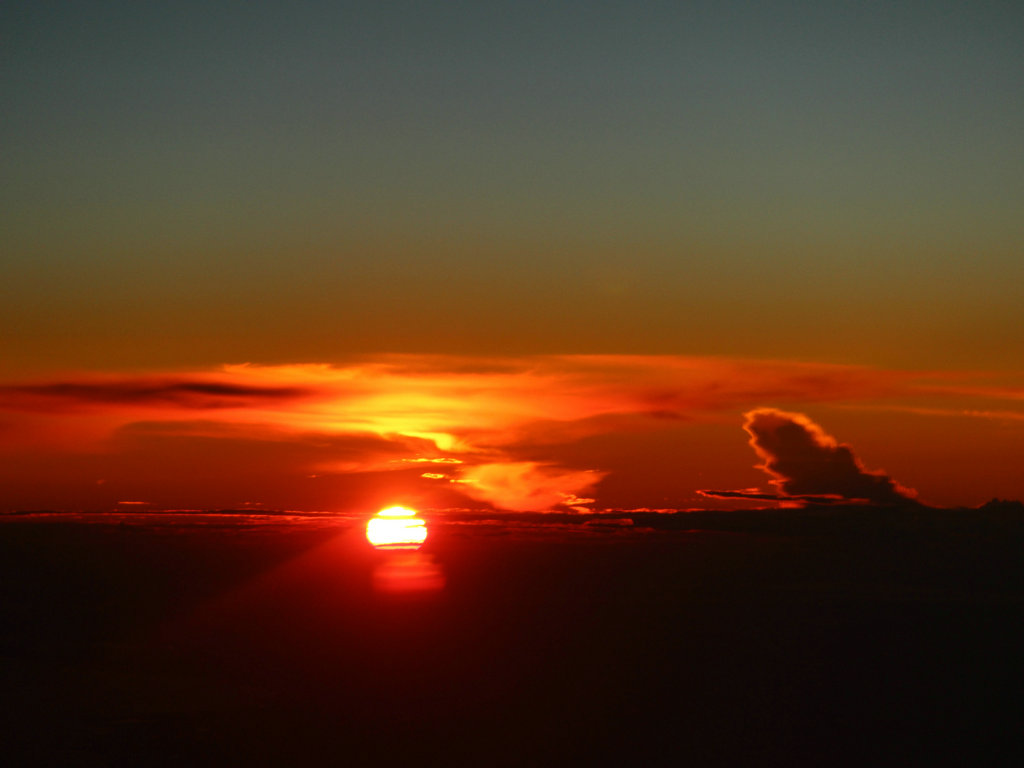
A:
807	207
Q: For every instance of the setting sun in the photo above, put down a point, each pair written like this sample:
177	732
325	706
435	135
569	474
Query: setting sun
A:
396	528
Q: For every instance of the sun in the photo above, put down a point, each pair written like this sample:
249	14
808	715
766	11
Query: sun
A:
396	528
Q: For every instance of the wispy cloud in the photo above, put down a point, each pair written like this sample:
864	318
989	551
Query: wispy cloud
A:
528	486
190	393
969	413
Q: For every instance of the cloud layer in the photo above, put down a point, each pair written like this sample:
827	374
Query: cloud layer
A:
486	429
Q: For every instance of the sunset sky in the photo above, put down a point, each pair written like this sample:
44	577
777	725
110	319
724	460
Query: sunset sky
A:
327	255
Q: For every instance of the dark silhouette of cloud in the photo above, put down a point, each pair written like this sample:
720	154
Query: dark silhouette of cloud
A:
803	460
809	465
757	495
168	393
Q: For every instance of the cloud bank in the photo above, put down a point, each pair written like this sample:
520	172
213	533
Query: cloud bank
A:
485	429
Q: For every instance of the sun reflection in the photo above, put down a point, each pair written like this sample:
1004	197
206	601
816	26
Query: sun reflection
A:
396	528
408	573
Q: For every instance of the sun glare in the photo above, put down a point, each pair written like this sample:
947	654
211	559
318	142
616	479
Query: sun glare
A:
396	528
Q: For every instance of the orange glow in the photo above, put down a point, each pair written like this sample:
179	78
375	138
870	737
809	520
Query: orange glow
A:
396	528
530	433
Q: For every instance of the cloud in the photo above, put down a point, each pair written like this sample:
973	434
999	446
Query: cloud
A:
185	394
804	461
755	494
748	494
527	486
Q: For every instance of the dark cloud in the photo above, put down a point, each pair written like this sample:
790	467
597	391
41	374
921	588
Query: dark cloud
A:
804	460
166	393
757	495
752	493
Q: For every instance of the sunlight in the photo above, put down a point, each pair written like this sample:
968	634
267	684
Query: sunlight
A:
396	528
